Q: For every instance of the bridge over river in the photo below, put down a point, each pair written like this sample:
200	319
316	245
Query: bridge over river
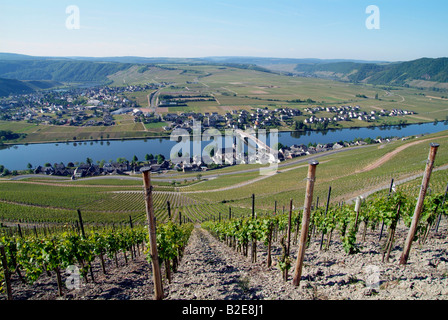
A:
263	148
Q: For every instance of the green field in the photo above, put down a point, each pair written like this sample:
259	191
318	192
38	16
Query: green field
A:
237	88
350	173
339	172
124	129
231	188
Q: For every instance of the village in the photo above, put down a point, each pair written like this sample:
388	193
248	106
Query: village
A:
226	156
265	118
258	118
99	106
94	106
90	169
347	113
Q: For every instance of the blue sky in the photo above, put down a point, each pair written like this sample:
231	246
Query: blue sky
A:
409	29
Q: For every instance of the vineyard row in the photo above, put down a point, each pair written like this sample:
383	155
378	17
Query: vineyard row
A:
28	257
381	213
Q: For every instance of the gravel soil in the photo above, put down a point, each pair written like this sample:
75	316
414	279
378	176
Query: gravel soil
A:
210	270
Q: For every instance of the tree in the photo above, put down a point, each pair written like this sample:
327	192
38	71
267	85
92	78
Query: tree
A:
149	157
298	125
368	140
279	146
160	158
121	160
134	159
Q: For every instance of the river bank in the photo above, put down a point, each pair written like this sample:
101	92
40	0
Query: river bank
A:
17	157
167	134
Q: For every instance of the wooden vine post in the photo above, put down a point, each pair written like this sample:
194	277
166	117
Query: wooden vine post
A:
326	211
4	263
19	229
254	239
440	214
270	230
357	208
286	246
288	241
253	206
390	192
169	210
391	235
158	289
305	221
418	207
83	233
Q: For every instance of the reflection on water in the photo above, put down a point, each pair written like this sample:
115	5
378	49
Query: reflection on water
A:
17	157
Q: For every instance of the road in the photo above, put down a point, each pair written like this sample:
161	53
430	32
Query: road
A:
168	177
396	182
152	100
290	165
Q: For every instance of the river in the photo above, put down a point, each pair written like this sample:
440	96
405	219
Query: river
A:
17	157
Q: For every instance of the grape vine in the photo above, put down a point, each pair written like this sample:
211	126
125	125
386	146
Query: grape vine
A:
383	211
30	256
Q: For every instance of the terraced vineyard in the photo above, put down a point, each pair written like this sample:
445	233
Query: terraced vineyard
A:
251	201
105	201
32	203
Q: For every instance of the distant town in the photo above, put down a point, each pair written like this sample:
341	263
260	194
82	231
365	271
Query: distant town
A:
99	106
75	107
158	164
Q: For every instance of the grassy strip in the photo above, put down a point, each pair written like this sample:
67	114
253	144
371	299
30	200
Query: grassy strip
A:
340	172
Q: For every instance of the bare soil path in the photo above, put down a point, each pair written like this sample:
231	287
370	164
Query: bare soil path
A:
210	270
391	154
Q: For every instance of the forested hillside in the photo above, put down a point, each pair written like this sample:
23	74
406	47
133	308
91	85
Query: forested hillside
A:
399	74
11	86
59	70
85	69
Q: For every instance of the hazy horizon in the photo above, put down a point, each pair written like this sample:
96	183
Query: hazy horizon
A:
199	57
290	29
